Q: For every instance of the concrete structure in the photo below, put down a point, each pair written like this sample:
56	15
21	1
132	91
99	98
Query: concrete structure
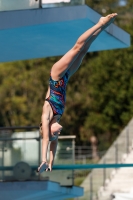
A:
37	190
121	184
102	183
40	33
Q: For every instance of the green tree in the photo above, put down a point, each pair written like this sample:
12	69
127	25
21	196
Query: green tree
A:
22	92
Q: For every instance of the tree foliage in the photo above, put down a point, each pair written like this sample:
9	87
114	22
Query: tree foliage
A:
99	95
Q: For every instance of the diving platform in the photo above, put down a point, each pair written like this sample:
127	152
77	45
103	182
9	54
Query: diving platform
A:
39	33
38	190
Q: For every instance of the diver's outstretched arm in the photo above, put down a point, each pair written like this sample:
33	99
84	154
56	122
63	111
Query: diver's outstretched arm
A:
53	147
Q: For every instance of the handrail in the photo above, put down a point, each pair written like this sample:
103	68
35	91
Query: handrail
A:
11	139
18	127
77	166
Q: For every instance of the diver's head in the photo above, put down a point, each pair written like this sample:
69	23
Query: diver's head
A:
55	129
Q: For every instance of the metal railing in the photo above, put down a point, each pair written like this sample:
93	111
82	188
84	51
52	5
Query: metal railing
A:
20	147
6	5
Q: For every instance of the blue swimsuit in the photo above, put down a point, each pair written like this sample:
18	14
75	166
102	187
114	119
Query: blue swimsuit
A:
57	98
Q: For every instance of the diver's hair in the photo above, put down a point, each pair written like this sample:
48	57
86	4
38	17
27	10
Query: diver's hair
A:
40	130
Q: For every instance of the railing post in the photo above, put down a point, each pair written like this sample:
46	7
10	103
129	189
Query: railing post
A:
73	151
127	139
73	158
91	186
116	154
40	3
104	172
79	152
3	159
39	152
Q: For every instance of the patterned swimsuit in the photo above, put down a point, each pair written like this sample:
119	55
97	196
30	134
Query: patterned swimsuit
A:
57	96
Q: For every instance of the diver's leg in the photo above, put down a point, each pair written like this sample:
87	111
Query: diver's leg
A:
76	64
53	148
60	67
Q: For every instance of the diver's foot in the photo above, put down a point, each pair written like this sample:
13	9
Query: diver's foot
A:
105	21
43	166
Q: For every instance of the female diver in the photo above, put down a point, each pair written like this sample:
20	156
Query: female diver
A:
54	103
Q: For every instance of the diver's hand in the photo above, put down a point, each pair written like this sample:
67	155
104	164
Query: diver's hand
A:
49	167
53	136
